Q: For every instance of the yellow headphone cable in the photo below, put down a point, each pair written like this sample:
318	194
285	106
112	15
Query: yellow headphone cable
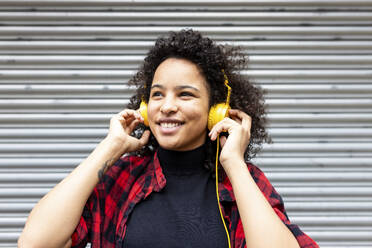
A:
218	198
218	146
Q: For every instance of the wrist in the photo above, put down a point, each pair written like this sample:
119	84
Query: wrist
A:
231	159
115	144
234	166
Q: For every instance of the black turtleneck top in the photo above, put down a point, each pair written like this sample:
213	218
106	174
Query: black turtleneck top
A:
185	213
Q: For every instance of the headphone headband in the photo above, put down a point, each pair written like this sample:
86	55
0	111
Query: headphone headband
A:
228	87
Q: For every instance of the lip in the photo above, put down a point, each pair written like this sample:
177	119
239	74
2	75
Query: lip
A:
169	120
169	130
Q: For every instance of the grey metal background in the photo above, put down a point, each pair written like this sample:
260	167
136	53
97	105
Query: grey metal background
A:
63	72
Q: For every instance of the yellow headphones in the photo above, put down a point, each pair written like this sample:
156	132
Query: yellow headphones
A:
216	114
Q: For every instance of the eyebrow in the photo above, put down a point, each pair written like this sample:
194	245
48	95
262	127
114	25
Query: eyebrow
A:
180	87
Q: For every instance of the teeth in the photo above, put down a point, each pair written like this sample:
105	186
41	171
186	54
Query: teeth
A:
169	125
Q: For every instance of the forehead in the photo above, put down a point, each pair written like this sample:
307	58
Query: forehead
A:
174	72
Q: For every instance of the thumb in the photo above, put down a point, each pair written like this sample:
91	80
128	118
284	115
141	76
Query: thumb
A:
145	137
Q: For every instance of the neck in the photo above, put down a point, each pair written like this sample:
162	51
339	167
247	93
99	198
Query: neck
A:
183	162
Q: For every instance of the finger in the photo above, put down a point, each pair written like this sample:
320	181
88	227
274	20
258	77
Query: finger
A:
126	113
127	117
224	125
145	137
130	113
245	119
236	118
236	113
214	128
130	116
132	126
139	116
124	122
247	122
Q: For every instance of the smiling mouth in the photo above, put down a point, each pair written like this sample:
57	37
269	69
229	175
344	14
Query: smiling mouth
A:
170	128
170	124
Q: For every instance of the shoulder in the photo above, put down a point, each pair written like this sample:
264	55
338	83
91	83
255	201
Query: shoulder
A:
124	168
118	180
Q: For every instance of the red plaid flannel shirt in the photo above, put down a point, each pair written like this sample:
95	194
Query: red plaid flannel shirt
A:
131	179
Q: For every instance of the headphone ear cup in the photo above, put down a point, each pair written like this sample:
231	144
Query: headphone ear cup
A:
143	112
217	113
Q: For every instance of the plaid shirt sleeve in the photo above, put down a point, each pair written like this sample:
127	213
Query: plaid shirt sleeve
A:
277	204
97	225
80	236
87	229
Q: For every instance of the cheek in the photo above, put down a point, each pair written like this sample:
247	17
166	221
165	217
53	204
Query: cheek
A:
200	114
151	109
151	116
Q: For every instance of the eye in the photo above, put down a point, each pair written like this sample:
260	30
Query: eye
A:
186	93
156	93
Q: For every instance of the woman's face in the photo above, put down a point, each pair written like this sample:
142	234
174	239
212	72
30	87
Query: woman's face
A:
178	105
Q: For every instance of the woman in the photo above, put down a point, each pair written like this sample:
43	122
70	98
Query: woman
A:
163	193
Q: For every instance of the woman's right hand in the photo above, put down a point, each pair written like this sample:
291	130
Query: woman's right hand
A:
122	125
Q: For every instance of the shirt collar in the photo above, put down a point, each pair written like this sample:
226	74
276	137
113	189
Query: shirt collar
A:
159	178
159	181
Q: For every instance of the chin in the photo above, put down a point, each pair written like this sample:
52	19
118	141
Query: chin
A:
169	145
179	143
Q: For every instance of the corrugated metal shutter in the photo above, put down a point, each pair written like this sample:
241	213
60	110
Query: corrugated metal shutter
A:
64	67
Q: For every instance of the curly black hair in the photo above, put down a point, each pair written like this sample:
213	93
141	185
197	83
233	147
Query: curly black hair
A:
211	58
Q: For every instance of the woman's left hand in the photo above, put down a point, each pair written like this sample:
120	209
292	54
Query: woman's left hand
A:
238	125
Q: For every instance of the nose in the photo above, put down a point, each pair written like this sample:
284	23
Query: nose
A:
169	106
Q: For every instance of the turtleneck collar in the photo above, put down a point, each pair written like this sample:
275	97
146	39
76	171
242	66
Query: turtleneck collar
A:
183	162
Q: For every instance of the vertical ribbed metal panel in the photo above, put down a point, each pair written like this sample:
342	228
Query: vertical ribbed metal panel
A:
63	72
